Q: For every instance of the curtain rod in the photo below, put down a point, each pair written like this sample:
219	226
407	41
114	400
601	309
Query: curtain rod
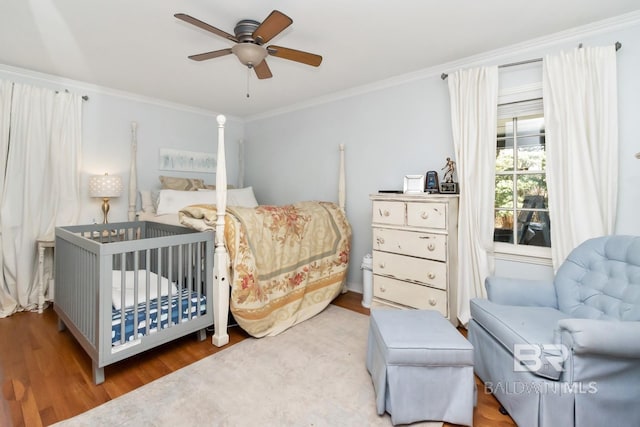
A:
443	76
84	97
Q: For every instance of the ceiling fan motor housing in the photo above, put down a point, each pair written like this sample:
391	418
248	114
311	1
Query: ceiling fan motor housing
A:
244	31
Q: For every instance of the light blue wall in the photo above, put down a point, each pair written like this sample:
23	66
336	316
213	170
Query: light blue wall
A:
106	137
405	129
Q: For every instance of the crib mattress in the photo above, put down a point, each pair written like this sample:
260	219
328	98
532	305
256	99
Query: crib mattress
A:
191	305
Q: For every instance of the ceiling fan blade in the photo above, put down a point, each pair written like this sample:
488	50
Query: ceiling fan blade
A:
210	55
263	71
271	26
198	23
295	55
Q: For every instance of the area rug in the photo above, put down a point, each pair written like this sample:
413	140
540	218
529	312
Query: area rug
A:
313	374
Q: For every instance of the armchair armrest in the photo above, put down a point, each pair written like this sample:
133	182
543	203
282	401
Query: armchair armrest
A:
524	292
602	337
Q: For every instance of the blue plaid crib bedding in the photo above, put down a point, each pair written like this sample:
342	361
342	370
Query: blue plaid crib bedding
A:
198	307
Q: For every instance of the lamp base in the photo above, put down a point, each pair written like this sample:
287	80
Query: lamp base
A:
105	210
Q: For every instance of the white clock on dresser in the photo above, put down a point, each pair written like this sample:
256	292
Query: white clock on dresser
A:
415	241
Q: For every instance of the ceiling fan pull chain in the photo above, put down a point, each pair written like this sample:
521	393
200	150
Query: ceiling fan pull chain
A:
248	78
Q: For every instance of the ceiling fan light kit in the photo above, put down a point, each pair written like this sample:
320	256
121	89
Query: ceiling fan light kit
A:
249	54
249	37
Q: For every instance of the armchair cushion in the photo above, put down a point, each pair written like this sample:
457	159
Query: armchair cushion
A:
519	325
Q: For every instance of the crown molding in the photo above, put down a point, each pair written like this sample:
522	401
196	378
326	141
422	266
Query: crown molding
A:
512	52
57	82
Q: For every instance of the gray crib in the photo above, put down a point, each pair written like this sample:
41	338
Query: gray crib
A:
127	287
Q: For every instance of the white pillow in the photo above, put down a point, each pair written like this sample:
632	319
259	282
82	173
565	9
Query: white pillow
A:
171	201
142	287
243	197
149	200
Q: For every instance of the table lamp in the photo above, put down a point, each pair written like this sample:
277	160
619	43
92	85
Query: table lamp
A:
105	187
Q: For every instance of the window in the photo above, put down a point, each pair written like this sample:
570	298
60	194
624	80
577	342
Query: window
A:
521	200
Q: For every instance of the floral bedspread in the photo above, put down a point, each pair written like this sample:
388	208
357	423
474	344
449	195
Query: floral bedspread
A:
287	262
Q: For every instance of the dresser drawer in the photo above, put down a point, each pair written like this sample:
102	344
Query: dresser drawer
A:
410	294
433	273
428	215
413	243
391	213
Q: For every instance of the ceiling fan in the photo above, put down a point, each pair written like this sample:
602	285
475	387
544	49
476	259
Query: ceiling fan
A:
250	37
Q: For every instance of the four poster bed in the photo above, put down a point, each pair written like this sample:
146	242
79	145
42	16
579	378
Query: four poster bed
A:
274	266
127	287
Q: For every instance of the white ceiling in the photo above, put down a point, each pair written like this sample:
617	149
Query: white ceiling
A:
138	46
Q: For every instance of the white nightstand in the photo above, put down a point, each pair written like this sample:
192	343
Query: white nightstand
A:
43	245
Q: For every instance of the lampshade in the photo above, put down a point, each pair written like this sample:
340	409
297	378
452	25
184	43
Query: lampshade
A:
249	54
105	186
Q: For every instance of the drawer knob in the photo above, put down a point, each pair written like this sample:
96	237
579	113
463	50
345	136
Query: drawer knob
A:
386	213
381	264
383	289
424	215
431	276
380	240
431	247
432	302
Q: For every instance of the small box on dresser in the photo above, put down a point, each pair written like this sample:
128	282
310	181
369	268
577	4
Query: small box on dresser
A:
415	240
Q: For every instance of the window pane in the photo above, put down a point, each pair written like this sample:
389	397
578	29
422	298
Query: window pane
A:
503	228
531	153
504	155
530	125
532	191
505	128
534	228
504	191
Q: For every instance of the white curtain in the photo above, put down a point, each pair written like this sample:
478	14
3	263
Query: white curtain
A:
474	104
7	302
581	120
40	188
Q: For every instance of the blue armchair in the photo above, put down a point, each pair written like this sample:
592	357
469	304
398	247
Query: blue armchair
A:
566	352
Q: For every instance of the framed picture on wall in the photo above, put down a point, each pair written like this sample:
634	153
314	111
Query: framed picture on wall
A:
187	161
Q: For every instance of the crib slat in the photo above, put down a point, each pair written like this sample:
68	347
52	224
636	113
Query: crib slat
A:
181	278
189	278
148	288
170	277
123	303
136	267
198	267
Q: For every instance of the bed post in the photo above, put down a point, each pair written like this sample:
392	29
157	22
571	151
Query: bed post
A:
342	195
221	257
133	177
341	180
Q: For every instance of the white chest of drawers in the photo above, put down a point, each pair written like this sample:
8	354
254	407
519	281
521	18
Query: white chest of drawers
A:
415	241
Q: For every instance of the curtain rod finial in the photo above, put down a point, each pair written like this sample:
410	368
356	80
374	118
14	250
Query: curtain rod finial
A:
444	76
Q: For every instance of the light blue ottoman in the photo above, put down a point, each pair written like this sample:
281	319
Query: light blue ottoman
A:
421	367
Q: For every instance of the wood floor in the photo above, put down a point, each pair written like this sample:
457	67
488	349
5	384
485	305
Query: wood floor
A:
46	375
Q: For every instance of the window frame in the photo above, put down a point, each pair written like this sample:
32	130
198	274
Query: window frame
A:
514	102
